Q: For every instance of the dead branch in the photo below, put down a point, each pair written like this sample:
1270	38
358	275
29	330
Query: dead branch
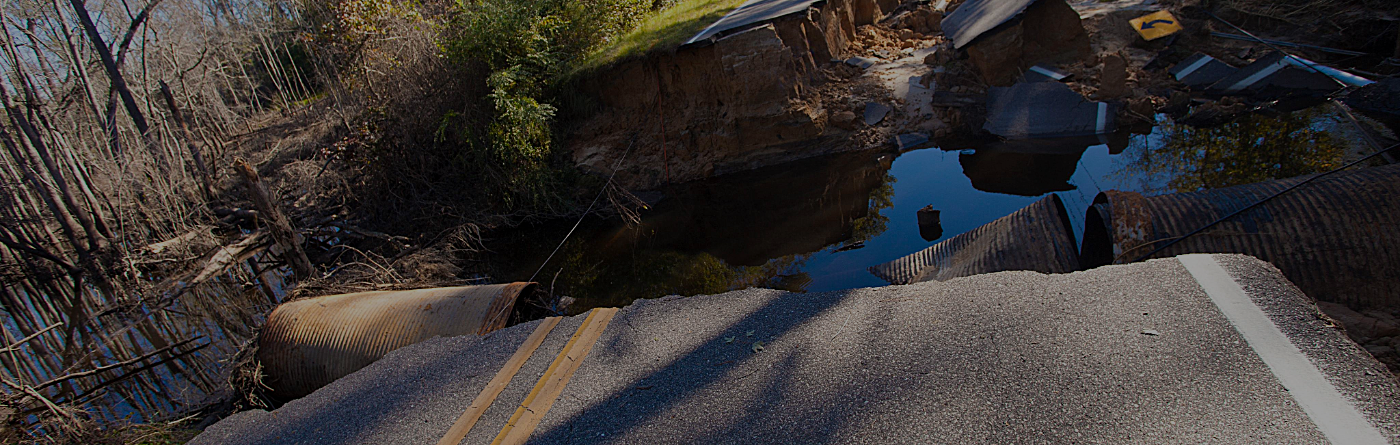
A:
217	263
31	392
206	179
82	397
15	346
281	229
108	367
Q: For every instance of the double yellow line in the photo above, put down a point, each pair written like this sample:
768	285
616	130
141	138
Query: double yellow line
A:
545	392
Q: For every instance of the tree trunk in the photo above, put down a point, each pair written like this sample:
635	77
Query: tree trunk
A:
80	70
207	186
109	63
281	230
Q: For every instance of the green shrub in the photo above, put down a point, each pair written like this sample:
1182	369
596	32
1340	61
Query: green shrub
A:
526	46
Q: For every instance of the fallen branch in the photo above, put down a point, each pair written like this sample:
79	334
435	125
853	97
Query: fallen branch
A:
217	263
277	223
15	346
159	247
31	392
103	368
82	397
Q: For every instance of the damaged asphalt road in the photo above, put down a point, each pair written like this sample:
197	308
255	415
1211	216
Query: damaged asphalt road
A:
1122	354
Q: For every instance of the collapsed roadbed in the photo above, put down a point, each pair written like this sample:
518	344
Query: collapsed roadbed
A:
1193	349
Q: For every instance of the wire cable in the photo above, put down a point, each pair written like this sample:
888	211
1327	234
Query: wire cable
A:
602	190
1262	201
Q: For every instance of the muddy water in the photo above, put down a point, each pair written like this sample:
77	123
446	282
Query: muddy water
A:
818	224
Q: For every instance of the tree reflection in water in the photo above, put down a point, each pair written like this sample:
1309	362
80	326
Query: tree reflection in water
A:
751	229
1251	149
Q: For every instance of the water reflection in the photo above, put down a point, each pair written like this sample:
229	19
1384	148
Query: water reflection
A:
1024	168
816	225
1033	167
746	219
756	228
1251	149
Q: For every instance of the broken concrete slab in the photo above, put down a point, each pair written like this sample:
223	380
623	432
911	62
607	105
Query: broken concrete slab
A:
1044	110
875	112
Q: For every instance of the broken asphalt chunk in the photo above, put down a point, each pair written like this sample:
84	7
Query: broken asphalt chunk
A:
1276	74
860	62
909	141
1200	70
1043	73
874	113
1044	110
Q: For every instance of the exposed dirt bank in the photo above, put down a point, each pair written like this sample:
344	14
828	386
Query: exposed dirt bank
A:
763	96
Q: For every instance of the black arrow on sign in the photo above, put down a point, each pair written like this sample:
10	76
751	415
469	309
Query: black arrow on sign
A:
1150	24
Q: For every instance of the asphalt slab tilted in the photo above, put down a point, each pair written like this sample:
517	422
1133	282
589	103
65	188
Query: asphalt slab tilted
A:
1121	354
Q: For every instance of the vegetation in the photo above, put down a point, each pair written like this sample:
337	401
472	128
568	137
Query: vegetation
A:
665	30
379	137
647	273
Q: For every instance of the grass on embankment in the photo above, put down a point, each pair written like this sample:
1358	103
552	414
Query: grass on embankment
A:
663	30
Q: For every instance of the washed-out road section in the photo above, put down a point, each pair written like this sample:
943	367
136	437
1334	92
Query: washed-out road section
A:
751	13
1139	353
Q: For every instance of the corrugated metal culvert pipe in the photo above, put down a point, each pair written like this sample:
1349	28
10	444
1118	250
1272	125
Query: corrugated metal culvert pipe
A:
1336	238
1038	237
309	343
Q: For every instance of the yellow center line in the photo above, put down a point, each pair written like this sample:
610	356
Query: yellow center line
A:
551	385
464	424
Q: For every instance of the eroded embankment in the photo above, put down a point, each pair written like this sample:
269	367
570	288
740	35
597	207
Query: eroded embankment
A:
750	99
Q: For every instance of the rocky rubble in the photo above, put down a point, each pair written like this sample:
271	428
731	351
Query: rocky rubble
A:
1375	330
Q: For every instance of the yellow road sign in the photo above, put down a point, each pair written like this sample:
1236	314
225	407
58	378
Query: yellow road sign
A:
1156	25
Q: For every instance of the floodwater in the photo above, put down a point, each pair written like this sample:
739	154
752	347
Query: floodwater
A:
812	225
806	226
818	224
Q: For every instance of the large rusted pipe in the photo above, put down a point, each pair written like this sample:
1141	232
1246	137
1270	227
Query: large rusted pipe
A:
1038	237
309	343
1335	238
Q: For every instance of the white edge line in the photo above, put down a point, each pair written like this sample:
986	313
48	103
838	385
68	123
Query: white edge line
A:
1337	418
1193	67
1256	77
1103	118
1047	73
